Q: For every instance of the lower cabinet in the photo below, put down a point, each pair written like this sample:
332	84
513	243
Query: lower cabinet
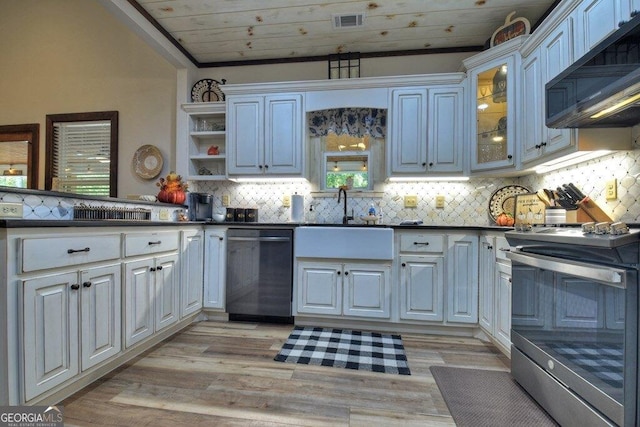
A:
422	287
215	255
495	290
191	271
70	322
462	278
151	296
349	289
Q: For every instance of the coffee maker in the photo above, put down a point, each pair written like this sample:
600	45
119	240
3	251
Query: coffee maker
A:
200	206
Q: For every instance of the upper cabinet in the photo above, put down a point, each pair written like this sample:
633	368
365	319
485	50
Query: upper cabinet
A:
550	58
493	81
206	142
425	131
265	135
596	19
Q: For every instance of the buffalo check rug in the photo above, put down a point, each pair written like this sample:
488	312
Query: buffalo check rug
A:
369	351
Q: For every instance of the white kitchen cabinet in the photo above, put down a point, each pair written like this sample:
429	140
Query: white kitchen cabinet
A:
595	20
422	287
265	135
206	129
492	116
349	289
215	255
462	278
191	271
628	8
70	322
425	131
495	290
553	56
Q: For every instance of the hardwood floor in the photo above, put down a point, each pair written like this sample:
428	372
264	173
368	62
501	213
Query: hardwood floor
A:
223	374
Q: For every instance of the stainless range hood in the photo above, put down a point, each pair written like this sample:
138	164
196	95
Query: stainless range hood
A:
601	89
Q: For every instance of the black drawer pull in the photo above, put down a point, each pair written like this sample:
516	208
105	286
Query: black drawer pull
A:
157	242
73	251
75	287
159	268
404	264
421	243
87	284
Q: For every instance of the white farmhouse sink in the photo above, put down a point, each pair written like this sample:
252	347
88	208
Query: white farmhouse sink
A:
344	243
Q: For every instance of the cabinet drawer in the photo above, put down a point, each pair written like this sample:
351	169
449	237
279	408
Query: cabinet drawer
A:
422	243
53	252
150	243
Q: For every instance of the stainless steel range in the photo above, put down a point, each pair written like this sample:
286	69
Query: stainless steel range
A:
575	321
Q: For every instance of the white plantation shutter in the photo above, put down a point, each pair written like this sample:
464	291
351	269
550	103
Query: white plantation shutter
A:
81	156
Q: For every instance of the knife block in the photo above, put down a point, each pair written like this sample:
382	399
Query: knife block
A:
577	216
593	211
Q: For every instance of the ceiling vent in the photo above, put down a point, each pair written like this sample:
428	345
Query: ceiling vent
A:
348	20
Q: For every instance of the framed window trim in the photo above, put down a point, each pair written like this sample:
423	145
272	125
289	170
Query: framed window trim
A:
111	116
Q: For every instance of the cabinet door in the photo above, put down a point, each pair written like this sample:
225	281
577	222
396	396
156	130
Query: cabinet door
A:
139	296
283	134
627	7
367	290
556	54
101	325
422	288
462	279
444	149
408	122
533	108
503	305
192	272
215	265
595	19
49	332
166	291
487	259
245	133
319	288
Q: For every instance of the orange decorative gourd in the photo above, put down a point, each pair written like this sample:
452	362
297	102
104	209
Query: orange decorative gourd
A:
505	220
172	189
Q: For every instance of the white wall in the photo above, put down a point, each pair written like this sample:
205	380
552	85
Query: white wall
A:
70	56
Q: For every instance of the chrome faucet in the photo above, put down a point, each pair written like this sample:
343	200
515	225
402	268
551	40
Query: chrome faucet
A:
345	217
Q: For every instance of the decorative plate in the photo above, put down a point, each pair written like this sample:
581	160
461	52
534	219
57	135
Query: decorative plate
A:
207	90
147	162
504	200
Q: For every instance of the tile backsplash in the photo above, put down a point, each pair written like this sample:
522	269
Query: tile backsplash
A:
466	203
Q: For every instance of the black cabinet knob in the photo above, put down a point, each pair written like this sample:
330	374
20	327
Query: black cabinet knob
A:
221	238
346	273
489	247
266	166
159	268
87	284
509	157
75	287
430	164
152	269
424	163
339	273
404	264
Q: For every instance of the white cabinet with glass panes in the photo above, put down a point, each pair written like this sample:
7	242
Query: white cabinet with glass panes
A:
494	77
206	141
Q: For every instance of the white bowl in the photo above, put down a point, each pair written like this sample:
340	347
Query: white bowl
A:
218	217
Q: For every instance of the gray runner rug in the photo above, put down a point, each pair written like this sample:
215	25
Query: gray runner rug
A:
479	398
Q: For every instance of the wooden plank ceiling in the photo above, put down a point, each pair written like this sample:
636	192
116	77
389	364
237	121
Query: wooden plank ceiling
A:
222	31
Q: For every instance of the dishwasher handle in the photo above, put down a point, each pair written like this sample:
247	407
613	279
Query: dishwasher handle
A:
259	239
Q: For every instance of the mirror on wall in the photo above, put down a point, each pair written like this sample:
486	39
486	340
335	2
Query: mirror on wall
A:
19	155
82	153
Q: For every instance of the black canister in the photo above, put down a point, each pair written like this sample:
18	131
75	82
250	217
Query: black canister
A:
230	216
251	215
239	215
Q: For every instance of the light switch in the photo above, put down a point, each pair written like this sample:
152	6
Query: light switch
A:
440	201
286	201
411	201
164	215
226	200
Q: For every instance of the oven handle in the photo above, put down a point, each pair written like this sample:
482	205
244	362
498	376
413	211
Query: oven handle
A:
260	239
605	275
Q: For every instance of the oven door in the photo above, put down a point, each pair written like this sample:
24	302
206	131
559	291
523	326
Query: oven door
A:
578	322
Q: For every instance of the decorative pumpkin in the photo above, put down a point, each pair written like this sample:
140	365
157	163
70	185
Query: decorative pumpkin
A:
505	220
172	189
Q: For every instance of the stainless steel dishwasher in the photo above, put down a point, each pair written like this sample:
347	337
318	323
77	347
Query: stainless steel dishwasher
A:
259	274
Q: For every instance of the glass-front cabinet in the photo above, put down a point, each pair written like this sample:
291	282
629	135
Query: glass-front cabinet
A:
493	78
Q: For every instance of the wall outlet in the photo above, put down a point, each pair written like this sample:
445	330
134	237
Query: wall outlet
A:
10	210
226	200
164	215
286	201
411	201
611	189
439	201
